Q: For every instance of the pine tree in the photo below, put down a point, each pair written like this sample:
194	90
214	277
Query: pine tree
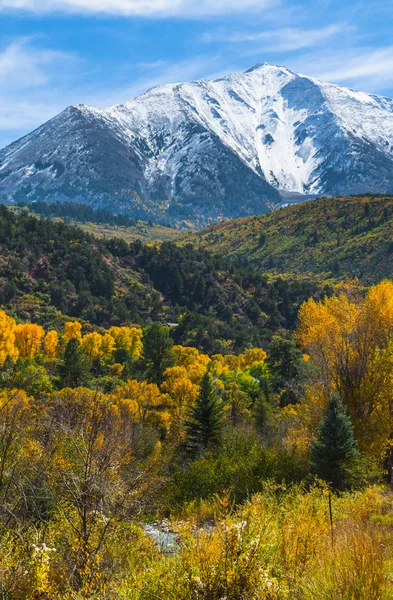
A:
157	352
200	289
334	447
97	368
76	364
205	424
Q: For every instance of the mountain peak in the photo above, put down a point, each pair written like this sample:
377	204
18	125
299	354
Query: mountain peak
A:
211	149
265	65
258	66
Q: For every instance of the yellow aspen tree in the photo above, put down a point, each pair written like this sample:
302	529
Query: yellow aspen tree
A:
193	361
89	451
180	387
129	338
378	308
7	338
139	398
218	365
350	340
185	355
108	344
28	338
91	343
233	362
252	356
197	370
14	419
51	343
72	329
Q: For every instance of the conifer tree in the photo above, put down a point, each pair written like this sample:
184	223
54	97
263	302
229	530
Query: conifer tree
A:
205	424
76	364
334	447
157	352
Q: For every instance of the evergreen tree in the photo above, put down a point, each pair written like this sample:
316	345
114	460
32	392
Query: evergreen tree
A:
200	289
122	356
285	365
177	283
205	424
97	368
157	352
76	364
334	447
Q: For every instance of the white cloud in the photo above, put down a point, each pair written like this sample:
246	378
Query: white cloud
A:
376	65
281	40
38	83
369	70
22	65
143	8
28	93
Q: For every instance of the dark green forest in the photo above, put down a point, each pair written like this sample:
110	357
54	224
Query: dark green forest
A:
48	266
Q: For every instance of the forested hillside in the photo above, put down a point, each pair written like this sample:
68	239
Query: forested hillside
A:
330	238
102	223
48	269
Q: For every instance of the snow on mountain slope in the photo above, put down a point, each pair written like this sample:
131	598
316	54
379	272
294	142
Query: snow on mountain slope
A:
218	148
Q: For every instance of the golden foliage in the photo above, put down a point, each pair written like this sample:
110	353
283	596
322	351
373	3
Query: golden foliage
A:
180	387
28	339
138	398
252	356
129	338
193	361
91	343
350	339
219	367
72	329
51	343
7	338
108	345
78	468
223	364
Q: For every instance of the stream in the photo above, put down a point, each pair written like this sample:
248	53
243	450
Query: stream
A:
166	540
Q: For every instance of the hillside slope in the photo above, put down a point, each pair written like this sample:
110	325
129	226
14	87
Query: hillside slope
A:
49	269
324	239
211	149
102	223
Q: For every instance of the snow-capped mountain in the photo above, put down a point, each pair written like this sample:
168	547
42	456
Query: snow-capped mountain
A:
212	148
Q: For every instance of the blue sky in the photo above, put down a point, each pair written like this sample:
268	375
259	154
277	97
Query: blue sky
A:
54	53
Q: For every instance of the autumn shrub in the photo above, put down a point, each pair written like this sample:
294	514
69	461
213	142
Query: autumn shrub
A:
240	464
15	580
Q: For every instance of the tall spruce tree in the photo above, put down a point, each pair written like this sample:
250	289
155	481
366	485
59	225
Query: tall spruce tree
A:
206	419
157	352
334	447
76	364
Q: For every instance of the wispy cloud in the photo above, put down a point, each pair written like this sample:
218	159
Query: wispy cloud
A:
22	65
37	83
368	64
28	92
143	8
361	67
280	40
162	72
